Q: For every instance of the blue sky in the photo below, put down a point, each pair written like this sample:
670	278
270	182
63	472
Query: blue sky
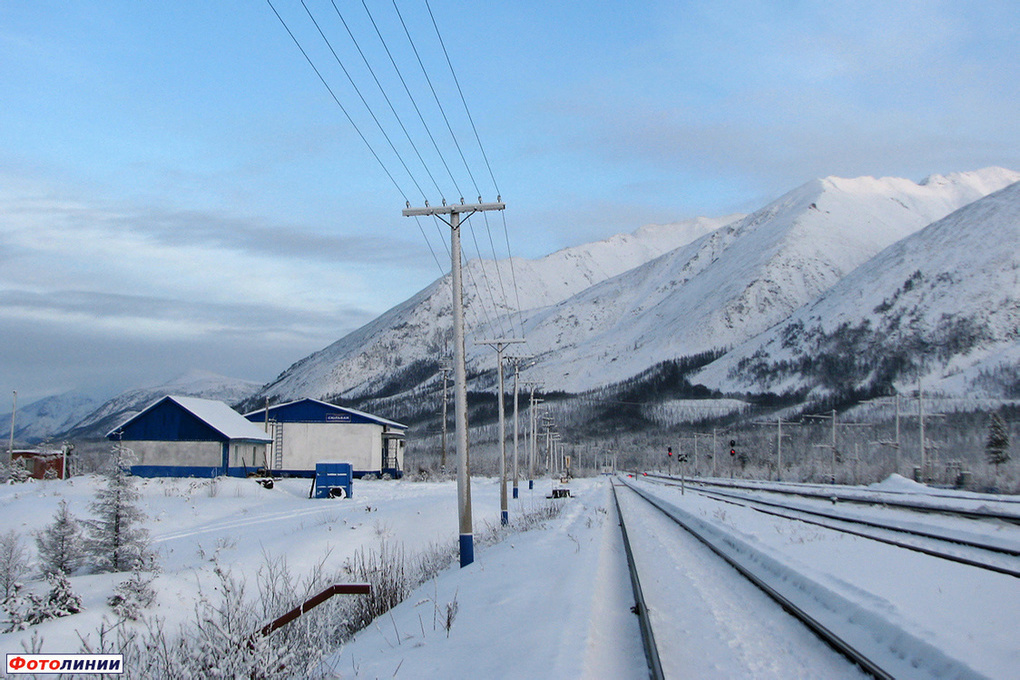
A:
178	190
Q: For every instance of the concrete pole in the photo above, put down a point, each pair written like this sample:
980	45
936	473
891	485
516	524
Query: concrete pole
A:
920	418
503	516
442	460
517	372
779	450
467	539
10	450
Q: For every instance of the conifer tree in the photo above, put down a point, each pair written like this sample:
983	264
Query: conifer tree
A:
117	541
61	547
997	447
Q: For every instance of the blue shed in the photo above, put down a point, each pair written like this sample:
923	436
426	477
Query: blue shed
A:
191	437
308	430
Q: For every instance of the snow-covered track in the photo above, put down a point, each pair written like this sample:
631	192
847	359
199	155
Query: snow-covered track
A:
982	552
656	666
1007	509
641	609
851	620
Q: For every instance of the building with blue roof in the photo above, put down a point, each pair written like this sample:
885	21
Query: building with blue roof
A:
191	437
307	431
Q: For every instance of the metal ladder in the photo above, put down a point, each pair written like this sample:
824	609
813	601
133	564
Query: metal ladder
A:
277	445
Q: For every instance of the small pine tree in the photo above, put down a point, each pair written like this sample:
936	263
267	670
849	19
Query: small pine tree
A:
997	446
61	549
116	540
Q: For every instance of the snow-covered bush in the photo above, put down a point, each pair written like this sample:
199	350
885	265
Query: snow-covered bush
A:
13	563
133	595
61	546
31	609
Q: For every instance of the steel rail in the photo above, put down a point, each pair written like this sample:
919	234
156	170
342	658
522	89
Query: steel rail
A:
822	631
647	636
748	503
975	513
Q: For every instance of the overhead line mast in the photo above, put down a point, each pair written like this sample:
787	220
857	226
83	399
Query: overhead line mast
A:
454	212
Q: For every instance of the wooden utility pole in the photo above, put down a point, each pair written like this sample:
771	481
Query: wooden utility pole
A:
454	212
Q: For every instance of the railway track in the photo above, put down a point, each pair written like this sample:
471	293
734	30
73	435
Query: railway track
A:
841	623
916	502
982	552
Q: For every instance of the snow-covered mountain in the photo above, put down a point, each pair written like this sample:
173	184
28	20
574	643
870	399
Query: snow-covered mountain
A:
418	332
740	280
604	312
942	304
40	420
194	383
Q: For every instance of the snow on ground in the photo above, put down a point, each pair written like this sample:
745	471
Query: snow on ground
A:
551	602
964	616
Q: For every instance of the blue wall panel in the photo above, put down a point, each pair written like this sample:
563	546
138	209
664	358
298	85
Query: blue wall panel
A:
168	421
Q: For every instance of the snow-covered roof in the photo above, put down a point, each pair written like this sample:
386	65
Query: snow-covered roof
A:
216	415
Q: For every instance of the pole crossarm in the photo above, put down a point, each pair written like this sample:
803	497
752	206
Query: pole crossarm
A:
457	208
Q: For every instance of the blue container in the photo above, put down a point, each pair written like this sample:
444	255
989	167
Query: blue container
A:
333	479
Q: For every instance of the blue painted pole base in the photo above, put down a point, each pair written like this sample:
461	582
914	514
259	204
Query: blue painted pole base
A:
515	491
504	518
467	549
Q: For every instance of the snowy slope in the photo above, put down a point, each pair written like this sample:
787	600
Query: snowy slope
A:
195	383
604	312
944	302
420	329
40	420
742	279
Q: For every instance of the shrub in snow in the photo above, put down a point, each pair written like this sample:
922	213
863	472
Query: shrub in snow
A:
61	546
133	595
32	609
117	541
13	564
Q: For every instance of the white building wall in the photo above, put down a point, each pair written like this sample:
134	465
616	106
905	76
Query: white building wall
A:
247	454
206	454
304	444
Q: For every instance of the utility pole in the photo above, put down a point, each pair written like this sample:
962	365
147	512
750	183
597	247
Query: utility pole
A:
10	450
445	369
467	539
517	372
499	344
696	461
533	418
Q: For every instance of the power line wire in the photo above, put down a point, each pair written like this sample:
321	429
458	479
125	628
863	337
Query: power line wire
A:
357	129
382	90
414	103
363	100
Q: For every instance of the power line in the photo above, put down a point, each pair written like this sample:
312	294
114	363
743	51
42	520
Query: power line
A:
363	100
414	103
385	96
337	100
357	129
436	96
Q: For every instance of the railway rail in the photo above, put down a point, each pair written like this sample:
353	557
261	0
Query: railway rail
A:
932	503
851	634
981	552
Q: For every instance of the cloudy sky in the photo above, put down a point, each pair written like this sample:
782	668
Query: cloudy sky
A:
179	189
